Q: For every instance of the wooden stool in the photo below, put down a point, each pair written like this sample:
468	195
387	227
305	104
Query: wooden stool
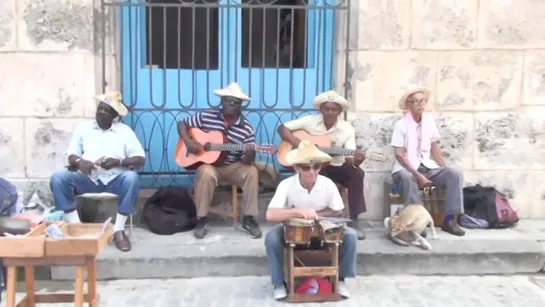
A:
432	198
82	264
323	262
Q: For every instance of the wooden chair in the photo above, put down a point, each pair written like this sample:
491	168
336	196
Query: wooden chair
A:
233	213
432	199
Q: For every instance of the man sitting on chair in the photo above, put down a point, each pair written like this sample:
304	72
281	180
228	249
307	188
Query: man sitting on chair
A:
343	170
238	168
103	154
306	195
419	163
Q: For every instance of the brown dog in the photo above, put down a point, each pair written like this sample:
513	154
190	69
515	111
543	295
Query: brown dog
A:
406	226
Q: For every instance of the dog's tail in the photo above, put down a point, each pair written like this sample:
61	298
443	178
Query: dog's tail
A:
387	223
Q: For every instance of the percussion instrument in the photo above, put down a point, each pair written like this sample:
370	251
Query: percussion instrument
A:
301	231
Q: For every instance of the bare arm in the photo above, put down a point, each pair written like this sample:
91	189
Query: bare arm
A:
72	161
182	131
401	157
133	162
287	136
436	154
280	214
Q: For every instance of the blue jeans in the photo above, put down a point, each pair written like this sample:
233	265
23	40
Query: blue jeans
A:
274	246
65	185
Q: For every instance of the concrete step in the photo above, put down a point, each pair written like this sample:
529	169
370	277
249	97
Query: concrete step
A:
229	253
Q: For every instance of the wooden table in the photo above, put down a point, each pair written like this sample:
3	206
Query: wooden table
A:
83	264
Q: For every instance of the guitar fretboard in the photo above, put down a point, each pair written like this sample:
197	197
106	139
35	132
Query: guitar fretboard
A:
227	147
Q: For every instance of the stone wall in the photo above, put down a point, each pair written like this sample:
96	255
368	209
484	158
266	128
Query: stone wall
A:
482	58
485	60
47	79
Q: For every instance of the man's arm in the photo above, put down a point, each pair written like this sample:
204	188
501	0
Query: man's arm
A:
277	211
436	154
285	130
248	157
75	148
350	143
335	201
194	121
398	142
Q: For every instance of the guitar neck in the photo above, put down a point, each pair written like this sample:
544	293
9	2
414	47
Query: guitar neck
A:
339	151
227	147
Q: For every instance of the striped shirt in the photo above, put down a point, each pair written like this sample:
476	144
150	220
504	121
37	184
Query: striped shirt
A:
240	132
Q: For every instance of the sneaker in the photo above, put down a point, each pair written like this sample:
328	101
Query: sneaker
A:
202	228
280	293
250	226
343	290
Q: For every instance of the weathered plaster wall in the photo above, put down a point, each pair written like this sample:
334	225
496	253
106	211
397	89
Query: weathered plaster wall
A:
485	60
47	78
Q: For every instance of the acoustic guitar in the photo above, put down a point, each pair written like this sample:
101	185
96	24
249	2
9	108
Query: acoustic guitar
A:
324	144
215	149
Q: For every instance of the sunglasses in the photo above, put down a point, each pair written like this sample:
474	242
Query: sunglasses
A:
307	167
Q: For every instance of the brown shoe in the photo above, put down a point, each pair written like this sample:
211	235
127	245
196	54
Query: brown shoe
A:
121	241
453	228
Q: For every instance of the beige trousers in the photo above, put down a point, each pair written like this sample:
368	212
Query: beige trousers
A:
242	175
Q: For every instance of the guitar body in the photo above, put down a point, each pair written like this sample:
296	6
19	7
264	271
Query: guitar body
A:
193	161
285	147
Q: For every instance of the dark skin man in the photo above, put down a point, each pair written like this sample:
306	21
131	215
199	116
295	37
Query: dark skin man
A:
104	117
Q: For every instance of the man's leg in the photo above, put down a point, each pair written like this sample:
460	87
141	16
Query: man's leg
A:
347	259
408	185
274	248
65	185
206	181
452	181
126	186
247	177
352	178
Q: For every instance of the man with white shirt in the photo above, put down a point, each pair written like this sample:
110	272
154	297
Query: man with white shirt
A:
104	155
342	170
306	195
419	163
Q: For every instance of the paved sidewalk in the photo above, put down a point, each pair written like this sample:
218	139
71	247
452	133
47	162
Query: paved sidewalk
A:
370	291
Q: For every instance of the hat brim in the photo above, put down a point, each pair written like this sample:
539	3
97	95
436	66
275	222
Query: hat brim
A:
317	104
223	93
402	103
121	109
292	158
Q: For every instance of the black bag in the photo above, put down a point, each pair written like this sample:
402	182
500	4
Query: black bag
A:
482	203
170	210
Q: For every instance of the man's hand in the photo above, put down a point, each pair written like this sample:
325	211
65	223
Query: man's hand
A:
85	166
307	213
249	156
110	163
359	157
193	146
423	182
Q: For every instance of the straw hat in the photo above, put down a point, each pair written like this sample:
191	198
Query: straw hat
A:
330	96
306	153
411	89
232	90
114	100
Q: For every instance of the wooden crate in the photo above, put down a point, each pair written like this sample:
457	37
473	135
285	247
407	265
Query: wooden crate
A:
30	245
80	240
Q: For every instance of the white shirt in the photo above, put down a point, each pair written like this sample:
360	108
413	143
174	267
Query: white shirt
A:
91	143
291	194
342	134
399	139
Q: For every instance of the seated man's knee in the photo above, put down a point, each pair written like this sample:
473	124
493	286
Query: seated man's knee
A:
358	173
404	177
206	171
61	177
274	238
350	236
252	173
454	174
130	177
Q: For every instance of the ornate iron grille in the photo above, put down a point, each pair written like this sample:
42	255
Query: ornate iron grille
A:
167	57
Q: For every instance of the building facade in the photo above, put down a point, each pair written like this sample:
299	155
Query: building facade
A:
485	60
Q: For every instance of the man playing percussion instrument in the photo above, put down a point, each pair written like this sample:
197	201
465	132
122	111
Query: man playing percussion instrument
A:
307	195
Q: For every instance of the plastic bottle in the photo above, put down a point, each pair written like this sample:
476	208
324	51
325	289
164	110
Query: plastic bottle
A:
35	203
20	204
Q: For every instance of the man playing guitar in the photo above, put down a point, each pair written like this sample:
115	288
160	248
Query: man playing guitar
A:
238	167
342	170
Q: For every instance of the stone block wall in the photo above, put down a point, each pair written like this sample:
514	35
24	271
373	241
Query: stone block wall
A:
484	59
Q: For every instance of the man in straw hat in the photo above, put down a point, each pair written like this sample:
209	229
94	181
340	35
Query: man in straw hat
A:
238	168
103	154
306	195
419	163
342	170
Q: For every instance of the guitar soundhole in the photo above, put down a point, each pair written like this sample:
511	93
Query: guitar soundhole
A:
206	146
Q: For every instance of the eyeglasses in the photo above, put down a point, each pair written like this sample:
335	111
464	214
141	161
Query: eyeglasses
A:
307	167
420	102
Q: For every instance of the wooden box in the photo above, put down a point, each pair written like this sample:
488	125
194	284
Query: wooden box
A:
30	245
82	240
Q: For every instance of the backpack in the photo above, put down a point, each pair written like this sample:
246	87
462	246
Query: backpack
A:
170	210
487	204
